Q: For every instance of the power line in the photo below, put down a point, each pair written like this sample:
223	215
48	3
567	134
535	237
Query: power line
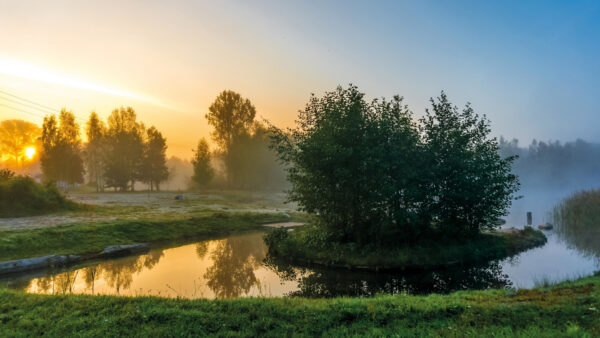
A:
43	108
21	110
27	100
28	105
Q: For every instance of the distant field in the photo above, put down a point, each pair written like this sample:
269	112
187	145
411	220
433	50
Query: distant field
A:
111	206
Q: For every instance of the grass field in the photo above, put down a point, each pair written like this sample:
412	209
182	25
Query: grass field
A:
122	218
569	309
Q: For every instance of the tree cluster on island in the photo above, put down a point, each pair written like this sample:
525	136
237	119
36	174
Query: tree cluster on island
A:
375	176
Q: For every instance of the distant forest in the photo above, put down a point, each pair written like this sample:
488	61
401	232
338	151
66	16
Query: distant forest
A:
555	165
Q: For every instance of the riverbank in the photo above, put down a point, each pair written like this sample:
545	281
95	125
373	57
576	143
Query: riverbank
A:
300	247
89	238
567	309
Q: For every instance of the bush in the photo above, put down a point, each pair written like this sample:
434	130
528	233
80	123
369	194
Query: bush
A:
22	196
375	177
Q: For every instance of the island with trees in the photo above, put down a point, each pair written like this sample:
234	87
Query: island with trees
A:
387	192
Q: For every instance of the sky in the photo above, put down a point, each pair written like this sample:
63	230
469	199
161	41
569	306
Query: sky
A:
532	67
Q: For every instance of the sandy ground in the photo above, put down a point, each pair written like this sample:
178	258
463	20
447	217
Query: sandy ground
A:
141	205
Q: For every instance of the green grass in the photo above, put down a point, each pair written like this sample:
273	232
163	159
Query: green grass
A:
569	309
304	246
87	238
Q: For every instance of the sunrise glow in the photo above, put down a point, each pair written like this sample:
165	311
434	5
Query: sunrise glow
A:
29	152
33	72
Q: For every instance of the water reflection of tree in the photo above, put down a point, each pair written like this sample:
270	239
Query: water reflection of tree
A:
57	284
234	261
118	274
337	282
202	249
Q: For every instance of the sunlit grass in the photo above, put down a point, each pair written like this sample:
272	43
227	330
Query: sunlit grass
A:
566	309
92	237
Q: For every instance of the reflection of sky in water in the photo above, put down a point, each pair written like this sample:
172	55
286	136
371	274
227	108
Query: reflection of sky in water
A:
234	267
554	261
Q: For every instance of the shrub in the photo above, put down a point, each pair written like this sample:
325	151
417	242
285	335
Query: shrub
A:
21	196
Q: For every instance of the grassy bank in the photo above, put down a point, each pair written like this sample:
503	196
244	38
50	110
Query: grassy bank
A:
87	238
568	309
301	247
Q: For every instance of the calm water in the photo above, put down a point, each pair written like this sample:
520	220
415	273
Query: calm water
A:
236	267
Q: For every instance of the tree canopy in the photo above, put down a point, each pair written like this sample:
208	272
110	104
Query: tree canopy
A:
61	154
15	137
203	171
96	150
153	168
243	144
231	116
374	176
125	138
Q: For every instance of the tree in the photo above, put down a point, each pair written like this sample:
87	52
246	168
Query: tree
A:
203	171
95	150
61	154
153	168
126	147
350	162
374	178
16	136
231	117
469	185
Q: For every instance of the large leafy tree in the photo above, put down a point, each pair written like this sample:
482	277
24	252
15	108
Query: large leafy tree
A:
469	185
349	161
61	154
15	137
232	117
203	171
374	178
125	139
96	150
153	169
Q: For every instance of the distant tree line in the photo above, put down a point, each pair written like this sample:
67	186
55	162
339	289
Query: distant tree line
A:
554	165
117	153
374	176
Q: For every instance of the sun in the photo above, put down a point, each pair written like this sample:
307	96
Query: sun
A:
29	152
